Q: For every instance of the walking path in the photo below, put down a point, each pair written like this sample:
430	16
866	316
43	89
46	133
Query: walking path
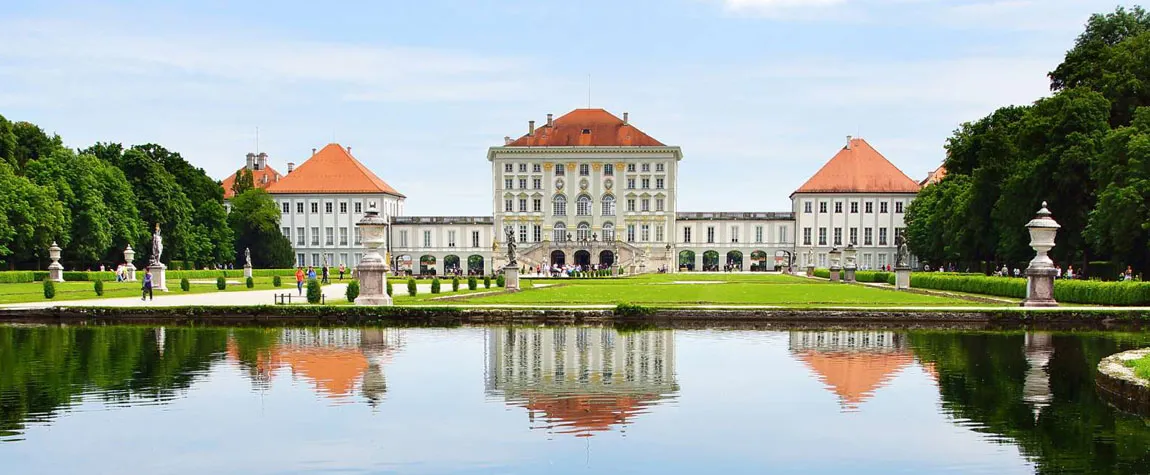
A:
178	299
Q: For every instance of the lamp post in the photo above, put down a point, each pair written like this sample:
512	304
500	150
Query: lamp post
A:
1040	273
129	256
849	254
55	270
372	269
836	263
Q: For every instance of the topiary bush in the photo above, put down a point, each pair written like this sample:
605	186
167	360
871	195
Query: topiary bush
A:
411	288
455	284
499	281
276	281
221	283
49	289
389	288
435	285
487	282
472	283
249	282
185	285
352	290
314	291
98	286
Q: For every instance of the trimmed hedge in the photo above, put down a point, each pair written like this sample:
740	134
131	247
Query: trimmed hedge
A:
249	282
389	287
411	288
487	282
455	284
49	289
500	281
277	281
435	285
314	291
98	287
22	276
221	283
1091	292
185	285
352	291
472	283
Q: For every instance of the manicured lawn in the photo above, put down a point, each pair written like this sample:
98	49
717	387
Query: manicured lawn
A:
34	291
1141	367
719	289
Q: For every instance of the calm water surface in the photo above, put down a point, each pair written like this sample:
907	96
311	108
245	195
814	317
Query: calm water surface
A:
558	400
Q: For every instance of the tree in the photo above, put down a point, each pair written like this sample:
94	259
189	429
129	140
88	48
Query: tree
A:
1109	57
1120	222
159	197
244	181
254	222
32	218
32	143
7	142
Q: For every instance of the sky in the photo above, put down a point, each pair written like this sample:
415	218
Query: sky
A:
758	93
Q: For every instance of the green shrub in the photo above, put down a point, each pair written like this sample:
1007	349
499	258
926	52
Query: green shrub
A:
314	291
221	283
18	277
49	289
276	281
455	284
499	281
83	276
389	288
633	310
185	285
472	283
411	288
1102	293
487	282
249	282
98	286
352	290
435	285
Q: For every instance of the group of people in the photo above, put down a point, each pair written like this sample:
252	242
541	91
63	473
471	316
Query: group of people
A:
324	275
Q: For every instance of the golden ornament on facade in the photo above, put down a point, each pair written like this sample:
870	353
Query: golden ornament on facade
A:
596	166
571	166
547	166
620	166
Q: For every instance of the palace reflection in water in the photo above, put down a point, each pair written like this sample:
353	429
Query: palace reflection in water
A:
579	380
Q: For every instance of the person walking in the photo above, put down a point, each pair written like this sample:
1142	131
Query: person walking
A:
324	275
299	275
310	273
146	293
342	269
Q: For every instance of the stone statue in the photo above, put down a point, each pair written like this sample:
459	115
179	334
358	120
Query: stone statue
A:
247	257
511	260
157	246
901	254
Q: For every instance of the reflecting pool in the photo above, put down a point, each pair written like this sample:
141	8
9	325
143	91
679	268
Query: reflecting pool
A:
559	400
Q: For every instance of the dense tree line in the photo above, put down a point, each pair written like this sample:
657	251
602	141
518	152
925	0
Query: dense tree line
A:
1085	150
96	201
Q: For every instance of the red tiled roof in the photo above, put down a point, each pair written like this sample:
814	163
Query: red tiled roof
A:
263	178
859	169
332	170
854	377
936	176
586	128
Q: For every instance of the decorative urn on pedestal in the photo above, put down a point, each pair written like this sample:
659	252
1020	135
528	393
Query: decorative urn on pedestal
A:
1040	273
55	270
836	263
372	269
129	258
850	266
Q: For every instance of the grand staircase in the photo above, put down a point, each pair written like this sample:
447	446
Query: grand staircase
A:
629	256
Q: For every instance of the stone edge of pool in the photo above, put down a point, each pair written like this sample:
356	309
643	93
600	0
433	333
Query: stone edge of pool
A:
1120	386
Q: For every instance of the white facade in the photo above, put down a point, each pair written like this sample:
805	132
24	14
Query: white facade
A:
322	227
445	244
735	241
870	221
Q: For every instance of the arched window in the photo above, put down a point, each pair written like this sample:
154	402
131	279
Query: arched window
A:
583	232
559	205
608	232
608	205
583	205
560	232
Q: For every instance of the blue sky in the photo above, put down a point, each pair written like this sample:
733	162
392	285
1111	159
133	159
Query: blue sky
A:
759	93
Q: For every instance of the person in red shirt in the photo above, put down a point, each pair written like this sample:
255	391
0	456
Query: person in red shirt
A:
299	279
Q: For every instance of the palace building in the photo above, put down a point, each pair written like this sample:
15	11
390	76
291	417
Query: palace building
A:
590	188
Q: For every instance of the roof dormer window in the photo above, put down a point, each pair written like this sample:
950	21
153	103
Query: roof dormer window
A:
586	131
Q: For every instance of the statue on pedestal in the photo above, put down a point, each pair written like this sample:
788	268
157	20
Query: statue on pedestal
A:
511	258
902	253
247	257
157	246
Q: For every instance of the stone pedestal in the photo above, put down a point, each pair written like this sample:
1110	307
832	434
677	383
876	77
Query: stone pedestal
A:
1040	288
372	277
247	271
129	256
511	278
615	271
131	272
850	275
159	277
835	273
902	278
55	272
810	271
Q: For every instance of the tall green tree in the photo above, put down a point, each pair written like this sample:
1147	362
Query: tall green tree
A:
32	218
159	197
244	181
7	142
1120	222
254	220
1110	57
32	143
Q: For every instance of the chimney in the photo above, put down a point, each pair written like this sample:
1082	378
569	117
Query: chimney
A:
531	127
251	161
261	161
291	166
849	138
313	150
349	149
549	120
506	140
626	120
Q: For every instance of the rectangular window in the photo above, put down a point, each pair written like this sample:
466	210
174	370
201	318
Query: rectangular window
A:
868	207
882	259
631	205
508	168
630	233
782	236
687	235
646	183
646	167
658	167
536	205
854	236
536	233
315	208
358	236
897	206
451	239
537	183
560	170
631	167
609	207
559	207
522	183
630	183
584	169
522	168
806	236
659	204
327	208
868	236
286	208
758	234
522	233
299	237
427	239
509	205
301	259
646	204
286	232
329	236
882	236
536	168
806	206
315	259
854	206
822	206
822	236
299	207
710	234
475	239
508	183
342	236
343	208
659	232
882	207
645	232
822	259
838	236
609	169
358	207
838	206
583	207
403	239
658	183
734	234
522	205
315	236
